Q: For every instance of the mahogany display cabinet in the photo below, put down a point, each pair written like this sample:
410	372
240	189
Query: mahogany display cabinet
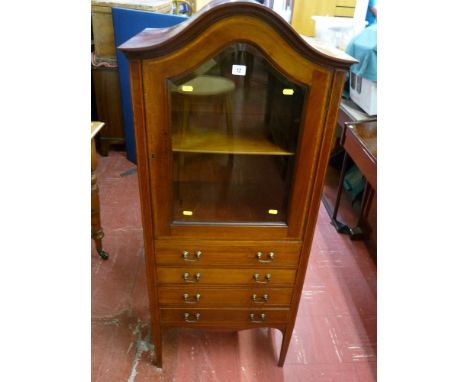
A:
234	118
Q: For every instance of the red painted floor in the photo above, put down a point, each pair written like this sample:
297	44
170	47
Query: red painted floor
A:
335	338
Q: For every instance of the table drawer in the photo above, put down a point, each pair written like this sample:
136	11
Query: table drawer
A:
223	316
199	253
226	276
195	296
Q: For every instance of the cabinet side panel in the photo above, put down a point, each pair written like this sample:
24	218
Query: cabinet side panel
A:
317	187
136	85
325	148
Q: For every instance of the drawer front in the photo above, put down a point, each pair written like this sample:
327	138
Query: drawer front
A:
223	316
200	253
225	276
194	296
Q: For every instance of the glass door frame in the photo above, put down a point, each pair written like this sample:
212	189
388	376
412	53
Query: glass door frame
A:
283	58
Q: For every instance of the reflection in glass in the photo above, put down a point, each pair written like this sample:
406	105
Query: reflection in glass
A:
235	127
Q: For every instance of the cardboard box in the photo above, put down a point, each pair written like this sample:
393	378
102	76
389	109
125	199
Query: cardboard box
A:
363	92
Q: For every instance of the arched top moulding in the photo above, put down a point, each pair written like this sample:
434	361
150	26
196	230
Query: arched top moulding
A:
158	42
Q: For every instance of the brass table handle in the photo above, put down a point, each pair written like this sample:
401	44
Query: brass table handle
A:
196	277
196	299
271	256
187	317
265	299
267	278
196	256
262	318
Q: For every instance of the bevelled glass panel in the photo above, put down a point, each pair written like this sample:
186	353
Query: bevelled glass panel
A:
235	122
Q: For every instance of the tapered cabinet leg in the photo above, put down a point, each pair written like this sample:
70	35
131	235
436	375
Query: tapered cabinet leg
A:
158	356
157	341
285	344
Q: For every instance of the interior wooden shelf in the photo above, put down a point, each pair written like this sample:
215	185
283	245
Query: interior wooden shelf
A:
229	203
222	143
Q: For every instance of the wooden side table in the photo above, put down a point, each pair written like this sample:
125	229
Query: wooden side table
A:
359	140
96	230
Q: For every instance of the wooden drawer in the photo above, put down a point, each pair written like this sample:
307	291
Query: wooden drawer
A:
223	316
195	296
226	276
285	254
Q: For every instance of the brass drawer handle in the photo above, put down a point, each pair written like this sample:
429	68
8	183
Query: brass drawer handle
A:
260	320
265	299
187	317
187	300
196	277
196	256
271	256
267	278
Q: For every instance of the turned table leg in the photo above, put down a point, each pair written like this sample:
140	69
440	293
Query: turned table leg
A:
96	230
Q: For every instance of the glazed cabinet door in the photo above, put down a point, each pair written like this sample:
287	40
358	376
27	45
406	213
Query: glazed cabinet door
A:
231	155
